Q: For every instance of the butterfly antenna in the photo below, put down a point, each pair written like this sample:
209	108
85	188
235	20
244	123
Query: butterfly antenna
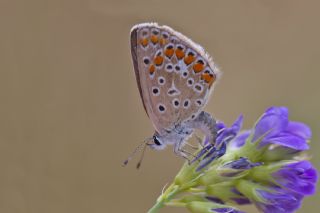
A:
142	155
136	150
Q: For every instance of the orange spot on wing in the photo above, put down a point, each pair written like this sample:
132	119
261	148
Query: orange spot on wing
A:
208	78
162	41
152	69
144	42
179	53
198	67
189	59
154	39
169	52
158	60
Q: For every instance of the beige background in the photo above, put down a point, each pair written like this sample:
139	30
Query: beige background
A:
70	111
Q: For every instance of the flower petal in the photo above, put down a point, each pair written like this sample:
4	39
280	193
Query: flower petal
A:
278	110
241	164
240	140
299	129
300	177
273	122
287	140
279	201
220	125
241	200
228	134
305	169
226	210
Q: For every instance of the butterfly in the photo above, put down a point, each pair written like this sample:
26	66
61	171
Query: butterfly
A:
175	77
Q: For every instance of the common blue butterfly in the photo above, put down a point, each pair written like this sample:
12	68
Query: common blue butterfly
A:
175	77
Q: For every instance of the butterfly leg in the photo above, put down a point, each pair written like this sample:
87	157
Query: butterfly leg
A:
181	152
190	145
199	140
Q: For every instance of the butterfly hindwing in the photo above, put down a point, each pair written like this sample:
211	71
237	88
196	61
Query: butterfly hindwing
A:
174	75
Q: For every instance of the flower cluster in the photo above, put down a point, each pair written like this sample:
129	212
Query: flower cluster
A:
263	166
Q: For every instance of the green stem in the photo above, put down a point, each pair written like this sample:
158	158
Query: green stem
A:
176	204
164	198
156	207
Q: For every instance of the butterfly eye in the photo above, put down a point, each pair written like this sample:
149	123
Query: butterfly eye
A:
157	141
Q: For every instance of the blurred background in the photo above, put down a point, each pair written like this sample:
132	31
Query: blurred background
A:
70	110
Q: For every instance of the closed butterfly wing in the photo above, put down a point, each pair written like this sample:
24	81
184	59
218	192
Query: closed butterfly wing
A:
174	75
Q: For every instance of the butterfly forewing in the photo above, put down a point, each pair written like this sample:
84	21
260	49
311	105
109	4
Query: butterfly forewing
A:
175	76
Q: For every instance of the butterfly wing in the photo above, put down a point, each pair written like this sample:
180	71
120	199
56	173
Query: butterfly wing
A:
175	76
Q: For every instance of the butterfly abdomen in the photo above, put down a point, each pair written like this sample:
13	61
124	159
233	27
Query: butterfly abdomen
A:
207	124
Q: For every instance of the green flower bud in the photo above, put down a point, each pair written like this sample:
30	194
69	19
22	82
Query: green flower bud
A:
249	189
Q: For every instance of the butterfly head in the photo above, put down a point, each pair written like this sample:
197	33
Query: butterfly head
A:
158	142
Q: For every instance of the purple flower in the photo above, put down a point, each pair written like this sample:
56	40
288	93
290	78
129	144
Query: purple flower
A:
274	127
220	125
214	199
258	166
226	210
241	200
213	151
278	201
241	164
226	134
240	139
300	177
